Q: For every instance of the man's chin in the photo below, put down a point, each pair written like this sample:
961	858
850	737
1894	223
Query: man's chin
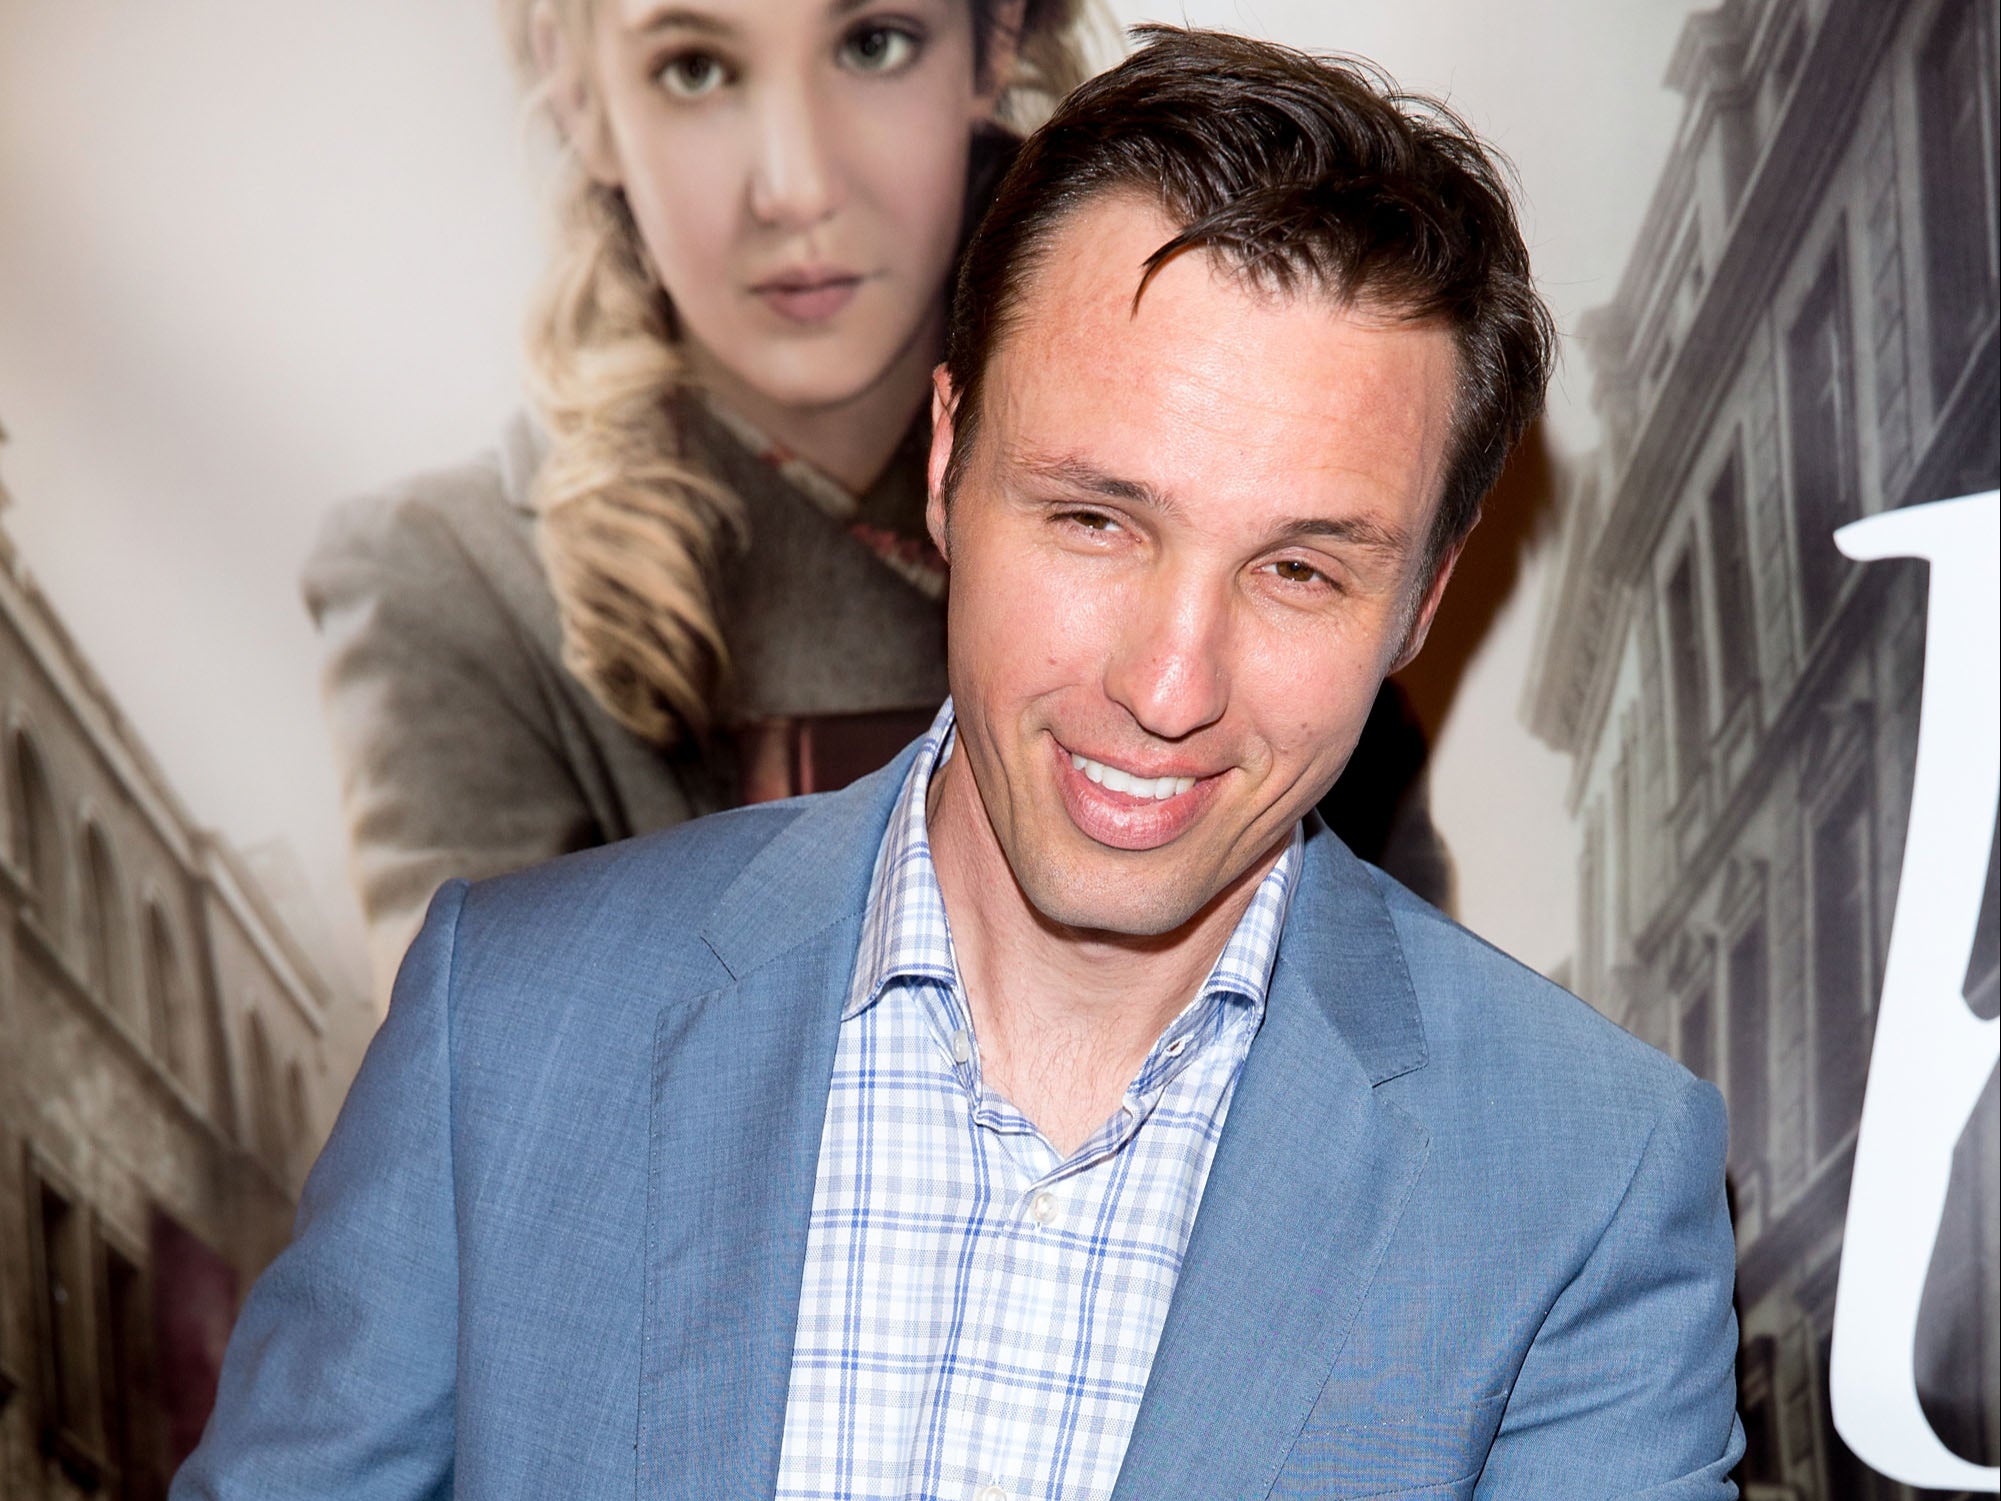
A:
1118	904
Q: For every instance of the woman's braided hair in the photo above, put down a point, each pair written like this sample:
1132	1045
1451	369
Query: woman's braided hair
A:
632	531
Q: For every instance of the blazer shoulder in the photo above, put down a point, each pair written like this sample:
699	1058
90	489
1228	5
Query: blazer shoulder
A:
673	915
1483	1007
638	904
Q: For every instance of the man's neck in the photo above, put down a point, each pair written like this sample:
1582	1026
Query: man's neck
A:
1064	1016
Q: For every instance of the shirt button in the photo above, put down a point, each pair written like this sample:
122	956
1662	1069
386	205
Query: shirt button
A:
1044	1207
990	1493
962	1052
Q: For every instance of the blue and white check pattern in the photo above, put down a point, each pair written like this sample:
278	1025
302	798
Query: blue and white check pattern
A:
979	1317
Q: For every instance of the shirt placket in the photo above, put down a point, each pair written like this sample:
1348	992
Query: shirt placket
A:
1028	1282
1023	1290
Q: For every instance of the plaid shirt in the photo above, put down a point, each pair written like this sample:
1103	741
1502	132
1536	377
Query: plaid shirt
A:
979	1316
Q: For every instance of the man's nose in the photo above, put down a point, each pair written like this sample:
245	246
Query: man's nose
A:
1169	667
795	182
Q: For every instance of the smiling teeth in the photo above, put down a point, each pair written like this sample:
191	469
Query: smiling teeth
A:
1157	788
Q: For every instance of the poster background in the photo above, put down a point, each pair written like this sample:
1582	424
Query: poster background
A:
254	257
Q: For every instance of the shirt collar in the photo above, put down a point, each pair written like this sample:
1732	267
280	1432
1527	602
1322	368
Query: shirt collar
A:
905	933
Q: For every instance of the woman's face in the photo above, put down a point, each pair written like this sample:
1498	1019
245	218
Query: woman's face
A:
797	172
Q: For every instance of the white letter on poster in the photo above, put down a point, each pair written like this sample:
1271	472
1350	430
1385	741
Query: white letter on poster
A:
1932	1055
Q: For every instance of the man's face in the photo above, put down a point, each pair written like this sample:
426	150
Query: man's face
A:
1188	545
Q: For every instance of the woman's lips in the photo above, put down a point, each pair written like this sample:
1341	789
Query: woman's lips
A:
1125	811
808	297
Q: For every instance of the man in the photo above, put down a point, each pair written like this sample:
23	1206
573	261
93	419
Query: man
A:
1059	1113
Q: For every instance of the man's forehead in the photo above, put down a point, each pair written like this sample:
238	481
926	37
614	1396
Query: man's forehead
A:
1102	250
1097	254
1206	366
1094	295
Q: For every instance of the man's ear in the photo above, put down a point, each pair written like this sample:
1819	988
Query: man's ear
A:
565	84
1002	56
944	403
1427	607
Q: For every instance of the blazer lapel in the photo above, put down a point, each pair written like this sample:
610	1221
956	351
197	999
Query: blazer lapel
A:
1309	1181
740	1083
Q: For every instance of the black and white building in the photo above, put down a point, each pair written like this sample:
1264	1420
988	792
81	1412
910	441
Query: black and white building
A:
1805	334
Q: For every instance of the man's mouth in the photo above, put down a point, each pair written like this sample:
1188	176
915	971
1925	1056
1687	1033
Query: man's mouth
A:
1130	783
1132	808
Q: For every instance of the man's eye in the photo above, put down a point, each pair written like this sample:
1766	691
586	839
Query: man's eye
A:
1293	571
1090	521
692	74
878	49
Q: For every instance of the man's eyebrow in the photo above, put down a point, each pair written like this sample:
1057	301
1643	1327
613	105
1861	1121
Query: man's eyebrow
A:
1357	531
1077	474
1080	476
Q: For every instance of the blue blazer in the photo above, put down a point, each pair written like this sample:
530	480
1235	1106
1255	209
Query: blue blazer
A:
1462	1236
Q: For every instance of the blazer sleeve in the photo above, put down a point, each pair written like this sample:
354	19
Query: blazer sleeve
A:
1629	1389
449	753
340	1374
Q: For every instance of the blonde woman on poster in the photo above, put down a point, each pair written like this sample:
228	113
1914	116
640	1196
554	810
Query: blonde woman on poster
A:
698	575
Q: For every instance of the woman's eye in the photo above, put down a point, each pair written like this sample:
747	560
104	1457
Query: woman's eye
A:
878	49
692	74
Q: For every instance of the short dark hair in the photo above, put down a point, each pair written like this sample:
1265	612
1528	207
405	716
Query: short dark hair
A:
1302	171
